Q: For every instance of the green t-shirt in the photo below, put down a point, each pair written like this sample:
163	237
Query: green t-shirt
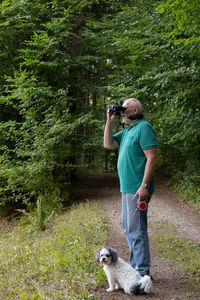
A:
131	160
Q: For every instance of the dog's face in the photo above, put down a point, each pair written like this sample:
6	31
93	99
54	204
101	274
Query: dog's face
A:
106	256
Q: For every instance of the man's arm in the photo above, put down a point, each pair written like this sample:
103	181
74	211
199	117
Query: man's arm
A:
151	155
109	142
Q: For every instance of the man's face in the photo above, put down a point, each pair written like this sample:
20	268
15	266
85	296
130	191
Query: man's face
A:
130	110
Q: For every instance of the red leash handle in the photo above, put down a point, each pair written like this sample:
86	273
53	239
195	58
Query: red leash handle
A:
142	205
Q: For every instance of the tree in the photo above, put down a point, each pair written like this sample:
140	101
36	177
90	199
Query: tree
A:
50	95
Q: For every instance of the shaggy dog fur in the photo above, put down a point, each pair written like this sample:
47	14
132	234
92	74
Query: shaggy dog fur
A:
120	274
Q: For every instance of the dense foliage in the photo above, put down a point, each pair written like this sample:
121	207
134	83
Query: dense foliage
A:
64	61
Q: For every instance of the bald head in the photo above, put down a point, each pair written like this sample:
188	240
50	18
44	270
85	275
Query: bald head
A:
135	103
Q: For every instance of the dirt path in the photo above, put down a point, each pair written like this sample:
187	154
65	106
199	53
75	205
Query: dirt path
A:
169	282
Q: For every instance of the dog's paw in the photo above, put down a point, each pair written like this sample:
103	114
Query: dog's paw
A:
110	289
117	287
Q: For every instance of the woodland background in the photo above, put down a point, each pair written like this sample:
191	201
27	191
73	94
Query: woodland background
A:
62	63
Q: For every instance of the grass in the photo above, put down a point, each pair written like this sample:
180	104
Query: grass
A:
57	263
184	253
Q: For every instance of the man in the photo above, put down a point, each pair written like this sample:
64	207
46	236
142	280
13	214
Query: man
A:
136	164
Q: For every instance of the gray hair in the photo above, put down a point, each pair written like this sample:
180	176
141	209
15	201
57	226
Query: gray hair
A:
136	103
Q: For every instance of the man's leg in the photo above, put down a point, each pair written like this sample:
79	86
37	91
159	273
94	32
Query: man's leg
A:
134	223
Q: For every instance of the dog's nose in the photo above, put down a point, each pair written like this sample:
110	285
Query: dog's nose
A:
103	259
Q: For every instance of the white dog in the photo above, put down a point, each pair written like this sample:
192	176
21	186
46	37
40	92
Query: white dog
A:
120	274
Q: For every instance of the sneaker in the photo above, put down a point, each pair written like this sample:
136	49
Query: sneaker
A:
147	273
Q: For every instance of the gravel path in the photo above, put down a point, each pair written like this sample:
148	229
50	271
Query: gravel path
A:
167	206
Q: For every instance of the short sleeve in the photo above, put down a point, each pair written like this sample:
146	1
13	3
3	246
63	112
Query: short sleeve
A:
117	137
147	137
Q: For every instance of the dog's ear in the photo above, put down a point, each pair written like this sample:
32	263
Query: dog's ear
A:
97	254
114	254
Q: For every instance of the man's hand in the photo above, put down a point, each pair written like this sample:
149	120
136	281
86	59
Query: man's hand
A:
109	142
110	117
142	193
